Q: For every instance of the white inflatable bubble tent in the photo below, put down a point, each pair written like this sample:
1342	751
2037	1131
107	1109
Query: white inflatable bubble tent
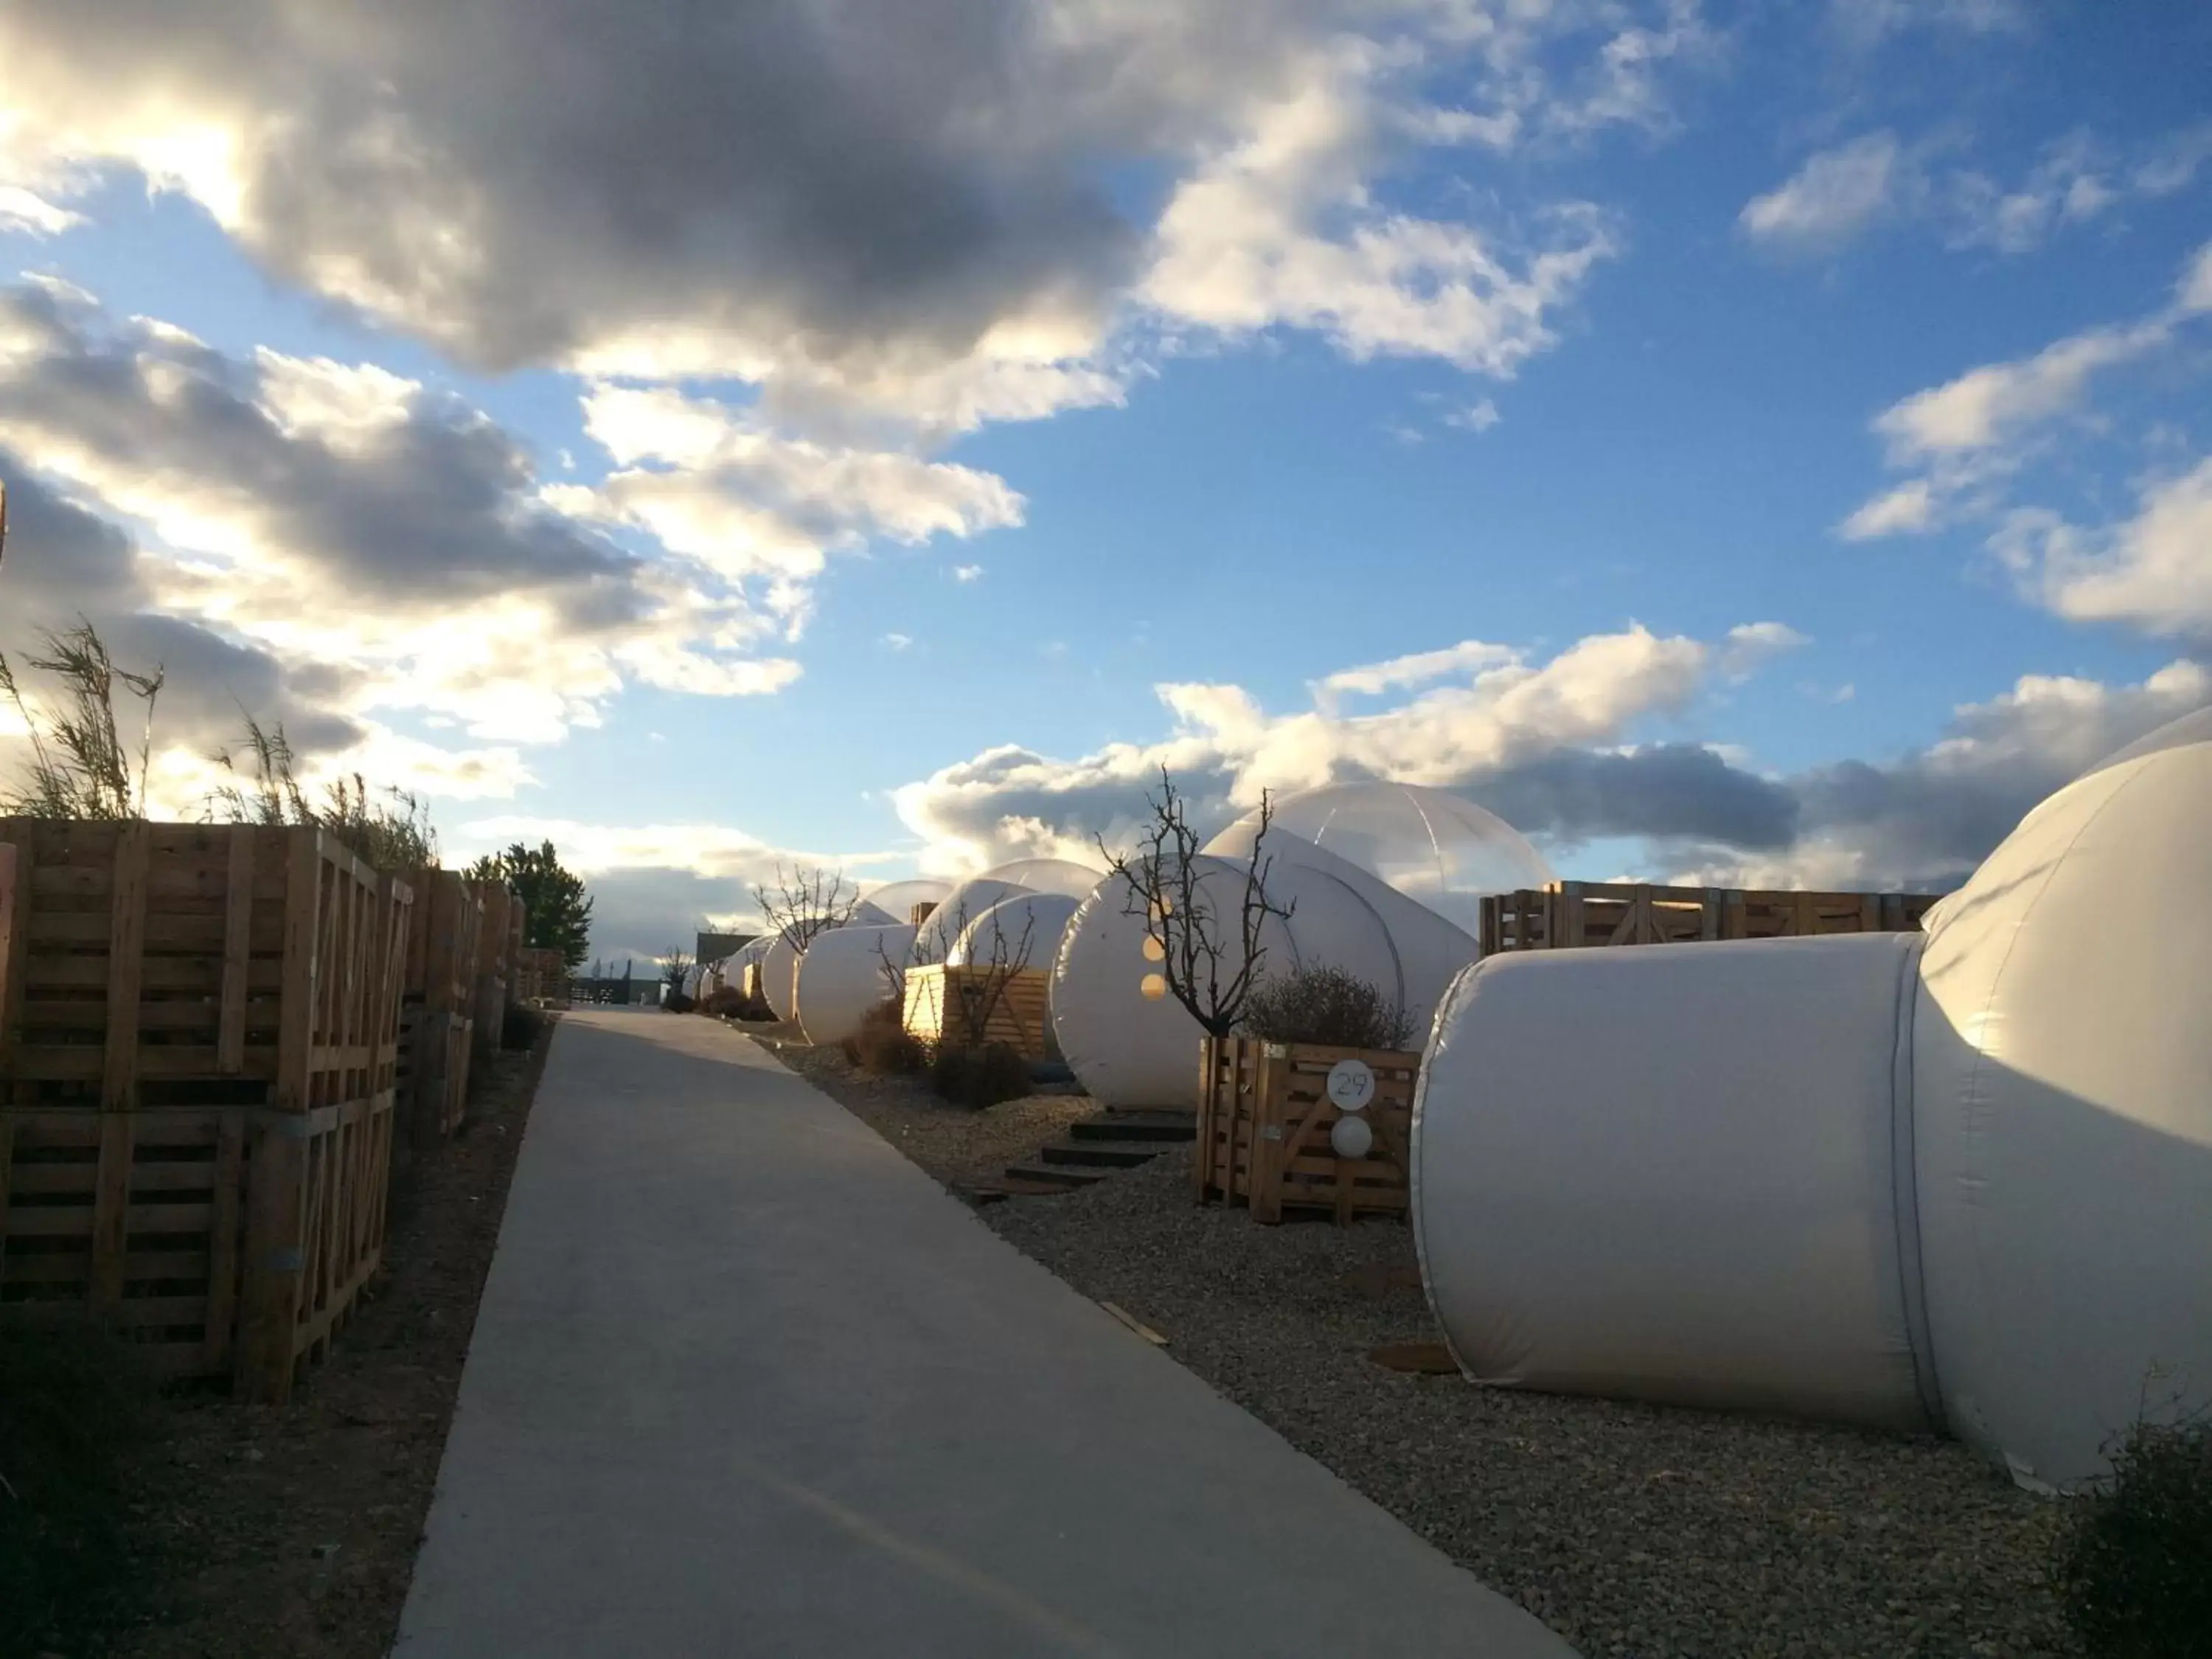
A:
1961	1179
1376	877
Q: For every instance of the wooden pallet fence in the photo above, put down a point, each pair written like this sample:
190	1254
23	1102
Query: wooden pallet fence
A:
491	973
980	1004
438	1017
199	1034
1264	1121
1570	915
541	978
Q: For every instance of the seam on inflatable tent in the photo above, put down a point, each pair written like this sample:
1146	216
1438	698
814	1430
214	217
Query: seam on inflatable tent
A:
1444	1006
1904	1187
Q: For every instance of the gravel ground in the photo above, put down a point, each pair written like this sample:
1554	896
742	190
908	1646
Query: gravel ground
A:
954	1144
1630	1529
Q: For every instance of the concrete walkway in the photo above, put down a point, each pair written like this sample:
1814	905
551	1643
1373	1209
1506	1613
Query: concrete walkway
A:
745	1381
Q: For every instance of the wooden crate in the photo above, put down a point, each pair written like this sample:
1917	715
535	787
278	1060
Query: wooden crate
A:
541	977
1264	1120
439	1013
152	1218
938	997
193	964
1570	915
210	995
432	1092
489	1012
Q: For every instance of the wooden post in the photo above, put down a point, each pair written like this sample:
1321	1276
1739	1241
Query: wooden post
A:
276	1184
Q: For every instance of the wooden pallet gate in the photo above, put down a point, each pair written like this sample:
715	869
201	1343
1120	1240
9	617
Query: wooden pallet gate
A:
199	1034
1571	915
1264	1120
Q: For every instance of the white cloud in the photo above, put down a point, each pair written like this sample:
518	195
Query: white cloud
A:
1478	418
1751	645
2152	573
967	573
1988	405
376	545
1277	229
1906	510
898	642
24	212
1517	728
1840	194
1834	196
1967	438
1417	669
710	484
1869	22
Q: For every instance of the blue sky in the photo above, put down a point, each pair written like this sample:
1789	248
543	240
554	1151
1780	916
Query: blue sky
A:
1790	422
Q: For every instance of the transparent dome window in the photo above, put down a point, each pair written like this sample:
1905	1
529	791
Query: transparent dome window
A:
1438	849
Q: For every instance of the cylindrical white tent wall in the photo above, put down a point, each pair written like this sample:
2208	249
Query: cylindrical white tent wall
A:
779	977
1673	1173
1965	1178
843	975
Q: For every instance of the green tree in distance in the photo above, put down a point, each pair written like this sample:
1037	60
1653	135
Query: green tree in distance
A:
557	911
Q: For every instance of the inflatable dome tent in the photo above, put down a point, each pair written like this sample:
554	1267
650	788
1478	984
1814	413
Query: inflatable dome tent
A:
1374	875
959	910
1961	1179
845	972
885	906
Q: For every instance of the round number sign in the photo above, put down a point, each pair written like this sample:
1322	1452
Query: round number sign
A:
1351	1086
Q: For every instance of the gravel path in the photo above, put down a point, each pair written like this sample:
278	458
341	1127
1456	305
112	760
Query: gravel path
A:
1630	1529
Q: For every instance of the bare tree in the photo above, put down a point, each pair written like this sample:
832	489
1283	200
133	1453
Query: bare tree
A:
1165	887
806	900
984	985
675	968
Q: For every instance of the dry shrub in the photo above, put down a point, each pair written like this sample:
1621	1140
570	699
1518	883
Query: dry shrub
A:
1326	1005
728	1002
883	1046
980	1077
2135	1573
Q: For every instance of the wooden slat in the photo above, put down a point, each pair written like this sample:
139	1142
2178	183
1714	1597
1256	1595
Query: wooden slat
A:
15	941
111	1213
237	957
295	1032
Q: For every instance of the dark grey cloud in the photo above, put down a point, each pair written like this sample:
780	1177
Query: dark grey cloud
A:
842	176
63	564
427	510
850	186
1922	820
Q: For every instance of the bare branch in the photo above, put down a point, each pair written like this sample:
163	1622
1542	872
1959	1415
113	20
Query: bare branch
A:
1165	888
807	900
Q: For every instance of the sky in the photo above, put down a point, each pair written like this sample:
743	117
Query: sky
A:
1768	444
